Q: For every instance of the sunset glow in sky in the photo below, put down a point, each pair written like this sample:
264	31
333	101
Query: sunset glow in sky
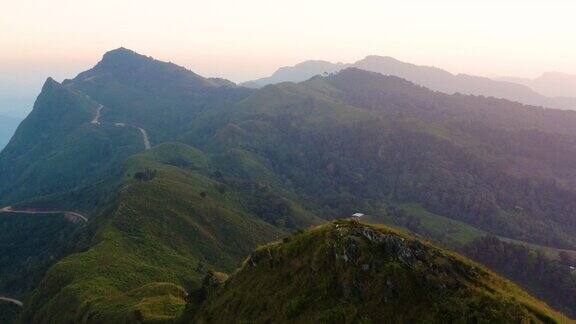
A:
243	40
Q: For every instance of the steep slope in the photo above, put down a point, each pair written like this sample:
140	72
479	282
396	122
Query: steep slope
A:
56	148
345	272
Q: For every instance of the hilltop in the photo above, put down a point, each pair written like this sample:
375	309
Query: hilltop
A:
347	272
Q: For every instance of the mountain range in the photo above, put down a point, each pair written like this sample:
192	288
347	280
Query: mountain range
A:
181	178
551	90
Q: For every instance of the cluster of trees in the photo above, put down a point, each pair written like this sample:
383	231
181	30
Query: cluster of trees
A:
263	202
146	175
404	219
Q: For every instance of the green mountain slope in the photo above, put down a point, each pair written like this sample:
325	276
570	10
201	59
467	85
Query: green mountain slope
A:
57	148
82	130
358	139
158	96
345	272
171	223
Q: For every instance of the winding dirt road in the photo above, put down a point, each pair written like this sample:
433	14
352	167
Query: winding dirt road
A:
11	300
96	119
71	214
145	138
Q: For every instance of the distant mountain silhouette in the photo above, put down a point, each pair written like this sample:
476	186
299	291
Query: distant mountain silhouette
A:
297	73
431	77
552	84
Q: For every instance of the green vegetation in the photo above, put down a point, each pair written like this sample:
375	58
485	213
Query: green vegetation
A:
413	217
346	272
158	243
543	271
161	97
29	245
56	149
8	311
233	168
549	279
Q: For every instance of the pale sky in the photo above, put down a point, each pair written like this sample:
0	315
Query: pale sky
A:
243	40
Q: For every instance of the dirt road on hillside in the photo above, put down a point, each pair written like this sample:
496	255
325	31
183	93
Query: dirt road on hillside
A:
145	138
96	119
11	300
71	214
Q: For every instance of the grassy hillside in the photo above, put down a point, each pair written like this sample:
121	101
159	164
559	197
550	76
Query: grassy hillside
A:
172	223
345	272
